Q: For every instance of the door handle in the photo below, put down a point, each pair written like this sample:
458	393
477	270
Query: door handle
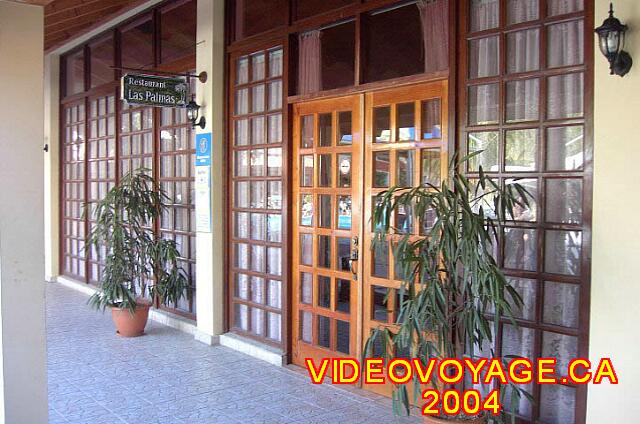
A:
353	259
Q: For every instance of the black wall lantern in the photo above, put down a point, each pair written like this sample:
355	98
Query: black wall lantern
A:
193	110
611	34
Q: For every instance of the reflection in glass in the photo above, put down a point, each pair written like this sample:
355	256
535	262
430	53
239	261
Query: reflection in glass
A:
257	258
565	44
379	301
526	288
274	322
258	223
526	212
344	128
306	324
324	251
521	150
404	168
431	125
521	11
257	65
274	261
565	96
257	162
405	122
275	63
325	128
242	194
561	304
563	251
344	170
344	212
241	227
257	130
342	336
324	211
274	228
257	321
559	402
343	295
487	143
274	162
306	210
324	331
275	128
307	132
241	163
241	319
561	7
324	291
517	341
520	249
483	104
324	170
257	94
431	167
381	169
242	286
382	122
380	259
484	14
343	253
257	290
564	200
274	196
306	288
484	57
306	176
404	219
242	132
306	249
522	100
523	51
559	346
565	148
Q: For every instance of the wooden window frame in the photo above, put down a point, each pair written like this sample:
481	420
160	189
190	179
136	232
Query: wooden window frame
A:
185	64
539	276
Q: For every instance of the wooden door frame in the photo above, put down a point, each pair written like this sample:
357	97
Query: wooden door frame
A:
355	104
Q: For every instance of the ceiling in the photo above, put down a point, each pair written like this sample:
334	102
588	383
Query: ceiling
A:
64	19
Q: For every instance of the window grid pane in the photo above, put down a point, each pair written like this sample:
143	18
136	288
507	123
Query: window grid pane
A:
257	177
526	112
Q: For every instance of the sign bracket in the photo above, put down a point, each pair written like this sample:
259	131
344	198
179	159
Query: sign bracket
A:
202	76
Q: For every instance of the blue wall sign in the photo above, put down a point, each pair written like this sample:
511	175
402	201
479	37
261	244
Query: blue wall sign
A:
203	149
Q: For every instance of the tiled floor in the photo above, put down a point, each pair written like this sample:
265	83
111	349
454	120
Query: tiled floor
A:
167	377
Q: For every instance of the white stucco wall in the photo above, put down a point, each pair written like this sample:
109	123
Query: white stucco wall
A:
615	292
22	315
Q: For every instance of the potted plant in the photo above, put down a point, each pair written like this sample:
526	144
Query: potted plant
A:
139	267
452	285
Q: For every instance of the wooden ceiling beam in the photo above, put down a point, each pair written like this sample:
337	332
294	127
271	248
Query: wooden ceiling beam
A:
90	14
34	2
81	9
88	19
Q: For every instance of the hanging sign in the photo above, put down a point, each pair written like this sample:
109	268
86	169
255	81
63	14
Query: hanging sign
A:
203	183
154	91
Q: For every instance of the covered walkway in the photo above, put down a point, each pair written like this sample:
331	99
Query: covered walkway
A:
168	377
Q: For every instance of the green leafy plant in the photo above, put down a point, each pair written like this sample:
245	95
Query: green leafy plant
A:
452	286
137	264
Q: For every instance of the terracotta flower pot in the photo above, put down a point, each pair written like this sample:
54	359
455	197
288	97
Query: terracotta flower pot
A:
480	419
131	325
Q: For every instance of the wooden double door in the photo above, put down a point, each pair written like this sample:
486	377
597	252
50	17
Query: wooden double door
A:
346	151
